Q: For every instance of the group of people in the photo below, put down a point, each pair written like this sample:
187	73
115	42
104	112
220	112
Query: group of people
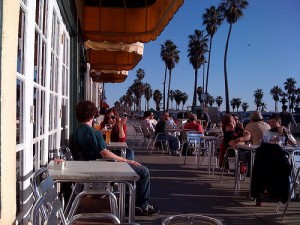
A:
255	132
168	127
87	143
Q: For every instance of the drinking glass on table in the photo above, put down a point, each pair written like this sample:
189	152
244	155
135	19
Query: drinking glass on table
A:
108	128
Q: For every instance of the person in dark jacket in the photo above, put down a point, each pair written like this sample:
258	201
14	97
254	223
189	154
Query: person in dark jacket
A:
270	172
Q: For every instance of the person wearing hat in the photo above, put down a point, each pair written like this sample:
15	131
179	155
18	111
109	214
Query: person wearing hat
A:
257	127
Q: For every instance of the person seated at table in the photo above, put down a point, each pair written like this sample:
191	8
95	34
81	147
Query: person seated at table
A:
278	134
118	129
90	143
147	125
161	128
239	127
256	127
152	120
231	139
193	125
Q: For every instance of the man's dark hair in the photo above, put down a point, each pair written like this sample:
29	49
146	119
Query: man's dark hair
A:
85	110
275	116
147	114
284	107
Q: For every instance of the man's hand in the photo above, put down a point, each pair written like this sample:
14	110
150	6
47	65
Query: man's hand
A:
133	162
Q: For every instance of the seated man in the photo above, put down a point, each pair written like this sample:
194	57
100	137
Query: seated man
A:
193	125
92	146
278	134
161	128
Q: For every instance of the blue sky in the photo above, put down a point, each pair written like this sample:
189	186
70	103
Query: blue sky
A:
264	50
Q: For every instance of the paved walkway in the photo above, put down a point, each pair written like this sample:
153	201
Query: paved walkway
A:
178	189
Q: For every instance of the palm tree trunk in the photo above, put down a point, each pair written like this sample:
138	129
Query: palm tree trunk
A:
195	88
207	72
164	93
168	96
276	106
225	72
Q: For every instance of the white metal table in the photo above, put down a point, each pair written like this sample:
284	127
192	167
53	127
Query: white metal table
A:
118	145
101	172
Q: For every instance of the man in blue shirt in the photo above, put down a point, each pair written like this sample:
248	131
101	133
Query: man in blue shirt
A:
87	143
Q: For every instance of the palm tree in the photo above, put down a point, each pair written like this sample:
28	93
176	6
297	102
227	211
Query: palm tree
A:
297	101
232	103
196	53
148	93
170	56
157	97
219	101
177	97
276	91
238	103
138	87
232	10
212	18
184	98
210	100
290	87
172	97
245	106
283	99
258	95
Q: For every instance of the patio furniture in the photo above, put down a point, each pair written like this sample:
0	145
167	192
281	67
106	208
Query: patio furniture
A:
194	142
101	172
192	219
231	155
162	140
295	179
47	208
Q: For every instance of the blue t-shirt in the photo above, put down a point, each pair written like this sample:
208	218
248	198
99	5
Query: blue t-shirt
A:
88	141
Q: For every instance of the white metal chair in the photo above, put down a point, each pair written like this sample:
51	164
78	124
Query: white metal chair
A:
148	137
194	142
231	155
161	139
139	136
44	191
53	212
295	179
191	219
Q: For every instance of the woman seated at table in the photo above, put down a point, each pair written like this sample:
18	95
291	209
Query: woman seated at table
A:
118	129
147	125
231	138
90	144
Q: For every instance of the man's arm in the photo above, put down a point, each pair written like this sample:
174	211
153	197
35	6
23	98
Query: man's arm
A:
109	155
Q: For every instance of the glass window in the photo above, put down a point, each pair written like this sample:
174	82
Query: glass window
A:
20	111
21	40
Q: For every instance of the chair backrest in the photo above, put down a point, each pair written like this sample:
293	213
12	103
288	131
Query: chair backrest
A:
47	208
194	137
191	219
161	137
41	182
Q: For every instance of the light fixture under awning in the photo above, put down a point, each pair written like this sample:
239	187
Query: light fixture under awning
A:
109	76
113	56
120	23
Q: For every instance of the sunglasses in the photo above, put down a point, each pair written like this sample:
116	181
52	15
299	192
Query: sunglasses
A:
112	117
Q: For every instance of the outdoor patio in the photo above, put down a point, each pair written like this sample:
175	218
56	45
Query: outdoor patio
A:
181	189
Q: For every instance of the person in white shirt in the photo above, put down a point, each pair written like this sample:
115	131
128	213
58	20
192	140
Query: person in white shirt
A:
278	134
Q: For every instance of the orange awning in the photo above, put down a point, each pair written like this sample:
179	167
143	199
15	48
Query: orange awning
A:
113	56
109	76
127	21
